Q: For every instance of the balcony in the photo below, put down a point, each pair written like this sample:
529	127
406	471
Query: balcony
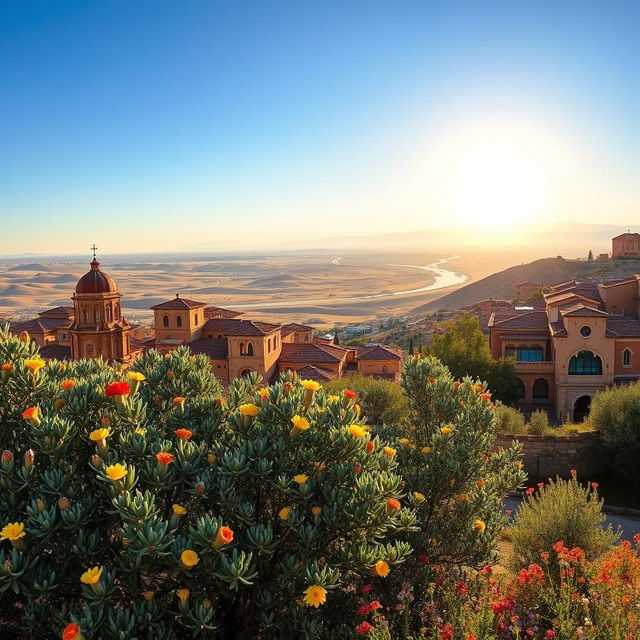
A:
542	366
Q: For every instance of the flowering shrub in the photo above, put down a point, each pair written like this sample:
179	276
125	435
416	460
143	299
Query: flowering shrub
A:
148	504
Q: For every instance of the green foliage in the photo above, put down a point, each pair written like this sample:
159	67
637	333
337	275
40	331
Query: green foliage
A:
510	421
382	401
538	422
464	349
615	413
562	510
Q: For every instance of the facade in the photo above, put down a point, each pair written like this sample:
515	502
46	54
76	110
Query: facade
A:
626	245
237	346
586	337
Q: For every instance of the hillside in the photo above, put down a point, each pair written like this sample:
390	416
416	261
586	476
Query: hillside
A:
548	271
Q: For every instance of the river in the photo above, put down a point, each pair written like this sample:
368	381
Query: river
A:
443	278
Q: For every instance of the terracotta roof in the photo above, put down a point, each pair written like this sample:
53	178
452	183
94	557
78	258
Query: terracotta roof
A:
95	281
614	283
178	304
557	329
219	312
583	311
379	352
215	348
40	325
315	373
57	312
524	320
581	287
297	327
235	327
310	352
619	327
55	352
530	336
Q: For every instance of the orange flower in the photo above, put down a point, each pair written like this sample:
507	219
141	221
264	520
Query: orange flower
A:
370	447
165	458
189	558
389	451
456	384
223	537
117	389
184	434
380	568
347	393
31	413
392	505
480	483
67	384
250	410
7	367
71	632
179	400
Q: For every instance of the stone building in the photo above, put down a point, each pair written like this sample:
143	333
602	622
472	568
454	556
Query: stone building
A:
626	245
586	337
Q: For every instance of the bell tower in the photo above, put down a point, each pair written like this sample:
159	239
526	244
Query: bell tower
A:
98	329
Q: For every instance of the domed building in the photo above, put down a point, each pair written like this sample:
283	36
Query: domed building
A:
98	328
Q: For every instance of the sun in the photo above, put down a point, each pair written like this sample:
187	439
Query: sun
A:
497	182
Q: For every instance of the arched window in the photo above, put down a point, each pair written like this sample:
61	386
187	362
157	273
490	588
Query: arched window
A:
245	372
530	354
626	358
109	314
385	369
585	363
540	390
242	349
165	321
520	390
179	321
98	315
249	349
87	315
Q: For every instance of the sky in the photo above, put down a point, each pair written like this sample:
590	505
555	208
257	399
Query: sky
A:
161	125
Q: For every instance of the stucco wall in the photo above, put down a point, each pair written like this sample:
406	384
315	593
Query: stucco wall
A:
549	456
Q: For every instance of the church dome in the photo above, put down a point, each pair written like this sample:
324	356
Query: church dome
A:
95	281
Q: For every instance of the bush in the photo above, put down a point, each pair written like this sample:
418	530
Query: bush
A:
538	423
382	401
509	421
148	505
615	413
562	510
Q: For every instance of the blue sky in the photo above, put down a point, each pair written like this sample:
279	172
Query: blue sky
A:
156	125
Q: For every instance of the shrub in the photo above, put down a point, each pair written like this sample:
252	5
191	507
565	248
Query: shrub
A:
382	401
538	423
509	421
562	510
615	413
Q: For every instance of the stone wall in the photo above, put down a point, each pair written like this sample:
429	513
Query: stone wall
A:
550	456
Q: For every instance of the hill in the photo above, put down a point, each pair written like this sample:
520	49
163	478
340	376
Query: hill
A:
547	271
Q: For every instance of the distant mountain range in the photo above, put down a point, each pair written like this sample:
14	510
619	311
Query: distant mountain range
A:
548	271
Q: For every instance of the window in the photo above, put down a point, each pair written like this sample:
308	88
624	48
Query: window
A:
540	390
249	349
585	363
242	349
179	321
196	318
510	351
626	358
306	337
585	331
98	315
165	321
88	350
109	314
269	345
520	390
529	354
87	315
385	369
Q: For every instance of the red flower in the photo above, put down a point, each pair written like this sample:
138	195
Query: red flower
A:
573	472
529	491
456	384
550	634
364	628
349	394
366	609
117	389
486	570
184	433
594	485
164	457
71	631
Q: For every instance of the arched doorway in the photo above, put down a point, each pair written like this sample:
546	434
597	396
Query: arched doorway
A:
581	408
540	390
520	390
245	372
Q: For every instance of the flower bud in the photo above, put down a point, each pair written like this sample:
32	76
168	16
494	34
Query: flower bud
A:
24	336
29	458
58	403
64	503
40	504
170	375
287	387
96	460
200	488
7	460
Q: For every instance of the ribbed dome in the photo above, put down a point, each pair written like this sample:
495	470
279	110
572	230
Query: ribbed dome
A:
95	281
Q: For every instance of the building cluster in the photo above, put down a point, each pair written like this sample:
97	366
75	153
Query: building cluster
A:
95	327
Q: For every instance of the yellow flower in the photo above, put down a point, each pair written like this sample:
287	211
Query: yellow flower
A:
333	398
179	510
35	364
302	424
135	376
91	576
357	431
99	434
263	393
479	526
426	449
116	471
211	458
404	441
183	594
141	431
316	511
283	514
310	385
147	595
315	595
189	558
12	531
389	451
249	410
301	478
320	465
418	497
445	431
380	568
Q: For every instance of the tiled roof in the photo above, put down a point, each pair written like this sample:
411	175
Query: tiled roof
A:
315	373
379	352
40	325
57	312
530	336
55	352
297	327
178	304
525	320
613	283
557	329
310	352
623	327
583	311
215	348
236	327
581	287
219	312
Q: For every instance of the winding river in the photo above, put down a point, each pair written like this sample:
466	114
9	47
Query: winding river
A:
443	278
